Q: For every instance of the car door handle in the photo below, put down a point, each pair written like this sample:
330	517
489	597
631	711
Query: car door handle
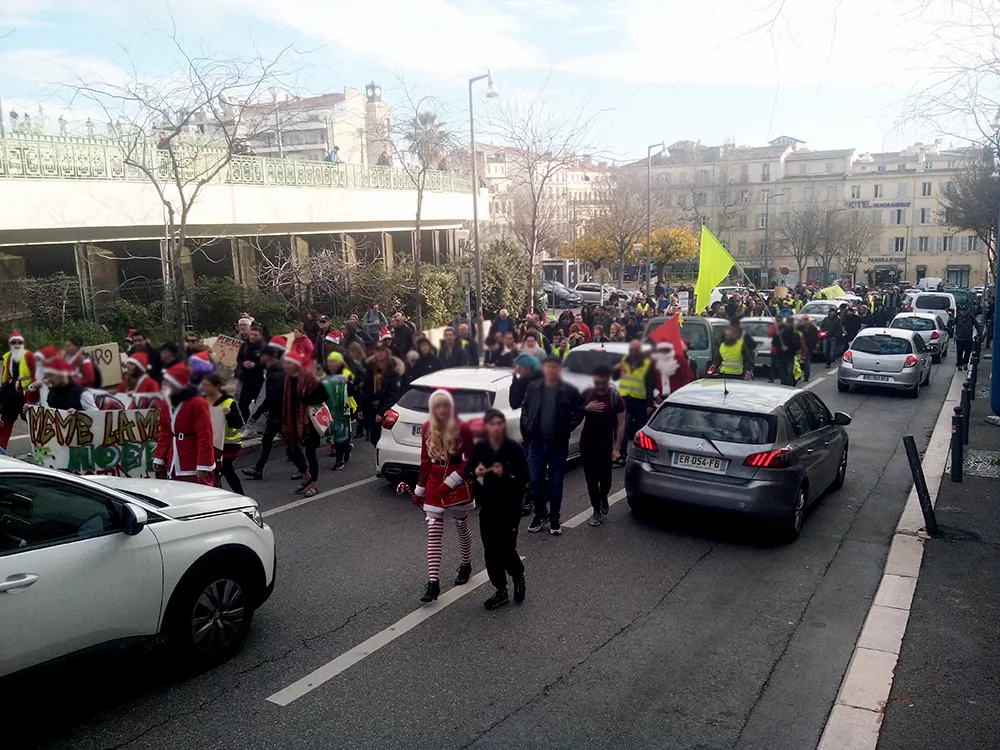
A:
17	582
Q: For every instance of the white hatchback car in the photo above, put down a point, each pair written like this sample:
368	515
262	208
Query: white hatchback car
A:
474	390
931	330
95	561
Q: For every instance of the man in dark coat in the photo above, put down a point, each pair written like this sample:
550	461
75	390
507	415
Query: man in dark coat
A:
249	370
272	406
382	388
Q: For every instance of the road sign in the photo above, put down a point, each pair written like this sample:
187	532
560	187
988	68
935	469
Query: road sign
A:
785	270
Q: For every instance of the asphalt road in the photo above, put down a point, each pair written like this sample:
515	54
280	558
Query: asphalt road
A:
684	631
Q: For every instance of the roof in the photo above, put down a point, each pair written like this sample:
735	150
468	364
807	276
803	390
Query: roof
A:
607	346
733	395
899	333
300	104
831	154
473	378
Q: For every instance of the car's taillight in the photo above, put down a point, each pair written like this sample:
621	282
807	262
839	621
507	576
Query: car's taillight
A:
776	459
911	361
711	369
822	334
477	427
645	442
935	335
390	418
849	356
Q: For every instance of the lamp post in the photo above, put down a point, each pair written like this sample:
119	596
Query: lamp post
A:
995	382
277	123
767	233
649	210
491	93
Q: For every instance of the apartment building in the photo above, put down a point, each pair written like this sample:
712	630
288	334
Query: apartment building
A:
746	194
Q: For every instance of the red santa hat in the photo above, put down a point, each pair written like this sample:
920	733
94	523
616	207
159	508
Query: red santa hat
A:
334	337
131	334
18	338
140	360
177	375
280	343
298	357
48	352
384	335
58	366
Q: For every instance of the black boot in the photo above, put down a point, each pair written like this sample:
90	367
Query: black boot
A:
431	591
340	458
498	599
464	573
347	452
518	590
252	473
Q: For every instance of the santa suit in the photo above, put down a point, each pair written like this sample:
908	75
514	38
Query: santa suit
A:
20	375
186	445
83	370
145	394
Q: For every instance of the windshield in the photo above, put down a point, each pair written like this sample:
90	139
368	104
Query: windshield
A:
696	333
723	426
932	302
466	401
758	328
881	344
914	324
818	308
585	362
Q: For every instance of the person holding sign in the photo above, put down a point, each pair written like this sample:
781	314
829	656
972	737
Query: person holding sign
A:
186	448
64	393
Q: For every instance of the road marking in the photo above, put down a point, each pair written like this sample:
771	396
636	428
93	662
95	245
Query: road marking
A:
319	496
811	383
19	437
584	515
348	659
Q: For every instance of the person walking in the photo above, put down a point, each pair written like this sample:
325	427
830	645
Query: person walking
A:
498	472
786	344
185	451
271	405
734	359
810	338
833	329
551	410
445	447
340	389
250	372
375	321
382	388
211	389
603	421
302	391
966	327
16	378
636	384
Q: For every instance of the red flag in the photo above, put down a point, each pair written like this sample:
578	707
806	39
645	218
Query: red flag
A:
669	331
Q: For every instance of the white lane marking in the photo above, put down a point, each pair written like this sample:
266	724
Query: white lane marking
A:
19	437
584	515
811	383
348	659
319	496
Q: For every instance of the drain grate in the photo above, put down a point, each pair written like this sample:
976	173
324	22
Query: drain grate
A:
979	463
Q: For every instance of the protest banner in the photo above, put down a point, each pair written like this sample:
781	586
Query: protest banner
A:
224	350
107	358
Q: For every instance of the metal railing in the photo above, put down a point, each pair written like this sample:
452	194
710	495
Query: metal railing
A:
54	158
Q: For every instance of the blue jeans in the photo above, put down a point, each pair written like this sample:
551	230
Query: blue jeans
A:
635	420
544	457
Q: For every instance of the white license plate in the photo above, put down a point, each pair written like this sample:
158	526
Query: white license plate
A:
417	429
707	464
879	378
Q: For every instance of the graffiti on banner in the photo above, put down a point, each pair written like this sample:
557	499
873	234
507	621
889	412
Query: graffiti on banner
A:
107	358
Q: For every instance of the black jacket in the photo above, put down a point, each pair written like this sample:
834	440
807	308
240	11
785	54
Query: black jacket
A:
569	412
852	324
457	356
519	386
832	325
274	393
810	334
402	338
965	325
376	402
424	366
499	498
250	352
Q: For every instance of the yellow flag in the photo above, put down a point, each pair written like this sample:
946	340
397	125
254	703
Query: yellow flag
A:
714	264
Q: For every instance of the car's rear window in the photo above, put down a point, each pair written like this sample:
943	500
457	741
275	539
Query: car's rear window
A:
696	334
914	324
585	362
818	308
418	397
757	329
932	302
880	344
724	426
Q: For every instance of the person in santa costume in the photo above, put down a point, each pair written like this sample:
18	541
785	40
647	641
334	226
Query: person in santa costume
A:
446	445
145	391
17	374
302	391
673	371
186	448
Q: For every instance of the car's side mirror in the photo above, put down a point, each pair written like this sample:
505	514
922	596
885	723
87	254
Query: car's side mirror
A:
841	418
134	518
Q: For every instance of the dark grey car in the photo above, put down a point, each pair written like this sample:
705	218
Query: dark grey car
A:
762	450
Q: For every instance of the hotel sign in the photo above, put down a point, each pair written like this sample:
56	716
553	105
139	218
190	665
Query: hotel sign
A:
883	260
878	204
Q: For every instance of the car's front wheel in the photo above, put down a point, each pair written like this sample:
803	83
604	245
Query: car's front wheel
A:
210	614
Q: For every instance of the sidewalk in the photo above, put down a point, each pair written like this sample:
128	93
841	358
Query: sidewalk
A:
946	685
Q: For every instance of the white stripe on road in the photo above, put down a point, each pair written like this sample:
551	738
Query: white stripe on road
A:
811	383
319	496
348	659
585	515
19	437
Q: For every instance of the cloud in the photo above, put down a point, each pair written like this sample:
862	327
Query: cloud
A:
51	66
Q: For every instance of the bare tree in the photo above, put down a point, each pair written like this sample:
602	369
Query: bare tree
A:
853	235
181	132
803	231
541	143
970	202
618	218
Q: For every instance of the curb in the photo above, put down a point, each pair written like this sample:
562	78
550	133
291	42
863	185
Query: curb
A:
856	717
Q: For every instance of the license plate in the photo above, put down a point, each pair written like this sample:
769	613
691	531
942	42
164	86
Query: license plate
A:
708	464
879	378
417	430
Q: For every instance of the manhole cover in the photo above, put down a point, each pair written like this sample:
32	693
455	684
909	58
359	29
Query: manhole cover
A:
979	463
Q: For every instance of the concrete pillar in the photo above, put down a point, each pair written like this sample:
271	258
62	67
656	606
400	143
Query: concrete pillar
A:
97	270
388	253
451	245
244	262
436	247
350	249
11	267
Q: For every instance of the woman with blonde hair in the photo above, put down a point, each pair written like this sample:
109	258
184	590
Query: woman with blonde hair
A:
446	444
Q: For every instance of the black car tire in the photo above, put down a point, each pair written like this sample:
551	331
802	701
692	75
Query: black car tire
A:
838	481
927	378
843	387
638	505
915	393
790	528
219	586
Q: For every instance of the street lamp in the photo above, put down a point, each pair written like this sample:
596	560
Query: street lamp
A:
767	232
649	209
491	93
995	382
277	123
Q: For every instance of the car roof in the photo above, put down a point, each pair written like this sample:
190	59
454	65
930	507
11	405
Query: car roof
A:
757	319
10	463
734	395
899	333
472	378
936	294
925	315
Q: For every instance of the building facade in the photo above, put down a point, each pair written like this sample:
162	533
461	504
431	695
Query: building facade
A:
749	195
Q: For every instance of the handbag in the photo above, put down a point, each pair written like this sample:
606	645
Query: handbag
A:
321	418
458	496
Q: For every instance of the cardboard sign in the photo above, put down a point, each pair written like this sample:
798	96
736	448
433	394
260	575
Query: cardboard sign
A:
684	300
224	350
107	358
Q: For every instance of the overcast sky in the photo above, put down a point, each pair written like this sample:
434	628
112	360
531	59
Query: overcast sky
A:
830	73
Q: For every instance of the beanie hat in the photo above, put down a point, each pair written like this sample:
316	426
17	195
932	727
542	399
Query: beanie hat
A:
177	375
140	360
527	360
335	357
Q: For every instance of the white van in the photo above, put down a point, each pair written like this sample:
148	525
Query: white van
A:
929	284
941	304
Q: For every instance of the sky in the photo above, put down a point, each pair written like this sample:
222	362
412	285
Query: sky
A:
833	73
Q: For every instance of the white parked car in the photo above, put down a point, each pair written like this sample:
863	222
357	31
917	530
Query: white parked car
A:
580	362
473	389
930	329
95	561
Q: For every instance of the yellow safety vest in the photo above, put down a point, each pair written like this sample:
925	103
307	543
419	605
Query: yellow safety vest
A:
234	435
25	375
643	309
633	382
561	353
732	358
